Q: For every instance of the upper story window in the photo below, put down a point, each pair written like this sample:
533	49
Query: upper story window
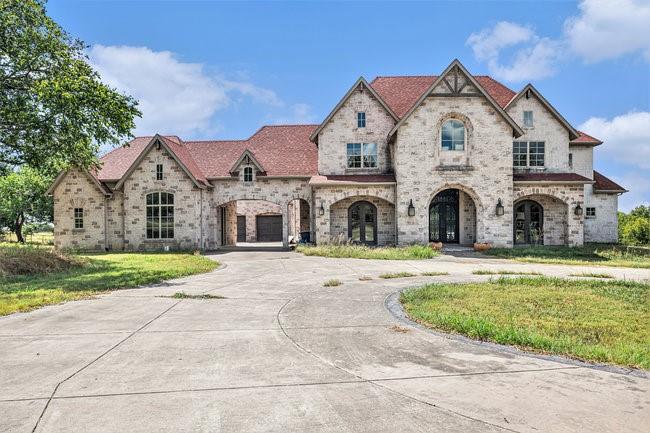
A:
528	154
453	135
590	212
571	160
160	215
78	218
248	174
159	172
528	119
361	119
362	155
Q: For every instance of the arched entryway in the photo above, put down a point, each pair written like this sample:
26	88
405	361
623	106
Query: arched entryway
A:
529	223
444	217
362	223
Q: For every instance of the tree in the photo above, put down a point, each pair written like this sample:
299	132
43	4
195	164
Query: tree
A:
53	106
22	198
634	228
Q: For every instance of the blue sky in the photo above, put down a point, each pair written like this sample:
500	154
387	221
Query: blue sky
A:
207	69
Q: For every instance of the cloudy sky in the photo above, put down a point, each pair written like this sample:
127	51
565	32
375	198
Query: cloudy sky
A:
209	69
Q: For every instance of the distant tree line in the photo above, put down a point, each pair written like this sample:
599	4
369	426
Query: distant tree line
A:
634	227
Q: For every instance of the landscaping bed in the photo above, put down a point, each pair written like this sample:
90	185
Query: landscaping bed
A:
600	255
601	321
413	252
74	277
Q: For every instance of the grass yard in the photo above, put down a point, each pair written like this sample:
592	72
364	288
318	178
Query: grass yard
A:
413	252
600	255
82	276
602	321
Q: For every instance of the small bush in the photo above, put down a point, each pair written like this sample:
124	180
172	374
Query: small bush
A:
434	274
390	275
332	283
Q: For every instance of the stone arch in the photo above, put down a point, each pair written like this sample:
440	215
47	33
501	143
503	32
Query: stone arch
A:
466	189
338	218
556	215
454	115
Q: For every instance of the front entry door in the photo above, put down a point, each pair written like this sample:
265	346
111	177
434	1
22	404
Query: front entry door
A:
241	228
443	217
362	223
529	223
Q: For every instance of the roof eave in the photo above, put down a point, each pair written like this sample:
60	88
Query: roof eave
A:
553	182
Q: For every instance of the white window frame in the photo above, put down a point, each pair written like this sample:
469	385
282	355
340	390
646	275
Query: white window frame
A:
361	119
528	154
530	124
362	155
590	212
157	221
442	127
78	218
248	171
159	172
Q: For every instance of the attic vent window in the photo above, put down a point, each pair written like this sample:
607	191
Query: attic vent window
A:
159	172
248	174
361	119
528	119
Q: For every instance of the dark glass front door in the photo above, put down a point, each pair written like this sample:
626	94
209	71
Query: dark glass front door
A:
443	217
529	223
362	223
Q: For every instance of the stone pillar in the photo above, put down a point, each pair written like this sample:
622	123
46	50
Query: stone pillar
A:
285	225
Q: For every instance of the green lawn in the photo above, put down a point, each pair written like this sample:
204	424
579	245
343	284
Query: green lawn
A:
602	321
413	252
601	255
90	274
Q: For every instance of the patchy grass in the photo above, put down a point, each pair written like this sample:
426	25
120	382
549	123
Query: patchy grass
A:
413	252
504	272
600	255
399	329
38	238
365	278
592	275
602	321
17	259
183	295
97	273
433	274
332	283
390	275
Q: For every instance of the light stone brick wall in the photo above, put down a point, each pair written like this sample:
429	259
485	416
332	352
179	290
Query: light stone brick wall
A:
329	195
299	217
583	160
561	224
467	218
385	219
604	227
187	204
230	210
115	221
422	172
250	209
342	129
545	128
77	190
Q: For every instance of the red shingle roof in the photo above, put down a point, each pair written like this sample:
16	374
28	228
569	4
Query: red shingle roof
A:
549	177
605	184
400	93
585	139
352	178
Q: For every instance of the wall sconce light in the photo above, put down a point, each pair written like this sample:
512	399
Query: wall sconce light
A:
321	210
411	211
578	210
500	209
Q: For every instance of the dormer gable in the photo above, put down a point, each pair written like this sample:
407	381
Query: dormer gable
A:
247	159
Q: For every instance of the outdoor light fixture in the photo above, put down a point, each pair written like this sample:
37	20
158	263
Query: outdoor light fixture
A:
578	210
499	208
321	210
411	208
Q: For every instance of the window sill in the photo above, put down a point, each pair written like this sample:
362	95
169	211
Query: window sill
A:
78	230
158	241
454	168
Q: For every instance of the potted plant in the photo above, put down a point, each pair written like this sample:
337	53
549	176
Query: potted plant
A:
482	246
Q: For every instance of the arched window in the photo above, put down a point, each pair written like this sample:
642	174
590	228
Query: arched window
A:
248	174
362	223
160	215
453	135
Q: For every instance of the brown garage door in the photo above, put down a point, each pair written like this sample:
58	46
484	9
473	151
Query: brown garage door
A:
269	228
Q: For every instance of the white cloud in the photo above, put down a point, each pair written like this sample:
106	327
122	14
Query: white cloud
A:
626	138
175	97
533	57
638	185
607	29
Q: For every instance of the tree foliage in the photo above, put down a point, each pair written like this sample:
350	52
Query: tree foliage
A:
53	106
634	228
23	199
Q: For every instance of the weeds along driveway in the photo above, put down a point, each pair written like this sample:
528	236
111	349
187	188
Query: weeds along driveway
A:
283	353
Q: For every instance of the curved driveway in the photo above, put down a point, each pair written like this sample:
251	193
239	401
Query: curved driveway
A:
282	353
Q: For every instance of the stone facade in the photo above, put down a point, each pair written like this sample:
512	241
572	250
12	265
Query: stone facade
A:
412	168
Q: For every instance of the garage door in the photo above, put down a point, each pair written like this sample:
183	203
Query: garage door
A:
241	228
269	228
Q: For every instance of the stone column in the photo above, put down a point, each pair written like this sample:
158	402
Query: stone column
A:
285	225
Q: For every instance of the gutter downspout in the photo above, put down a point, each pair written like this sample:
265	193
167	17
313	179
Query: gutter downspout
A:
105	223
201	220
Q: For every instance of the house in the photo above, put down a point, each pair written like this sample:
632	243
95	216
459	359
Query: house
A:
455	158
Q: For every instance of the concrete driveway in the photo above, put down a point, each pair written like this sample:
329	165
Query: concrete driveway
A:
282	353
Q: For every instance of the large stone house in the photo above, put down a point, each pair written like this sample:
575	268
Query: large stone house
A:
455	158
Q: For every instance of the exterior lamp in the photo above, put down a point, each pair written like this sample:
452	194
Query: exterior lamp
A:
411	211
499	208
321	210
578	210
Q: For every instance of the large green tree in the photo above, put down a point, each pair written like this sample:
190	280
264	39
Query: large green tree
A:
22	198
54	109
